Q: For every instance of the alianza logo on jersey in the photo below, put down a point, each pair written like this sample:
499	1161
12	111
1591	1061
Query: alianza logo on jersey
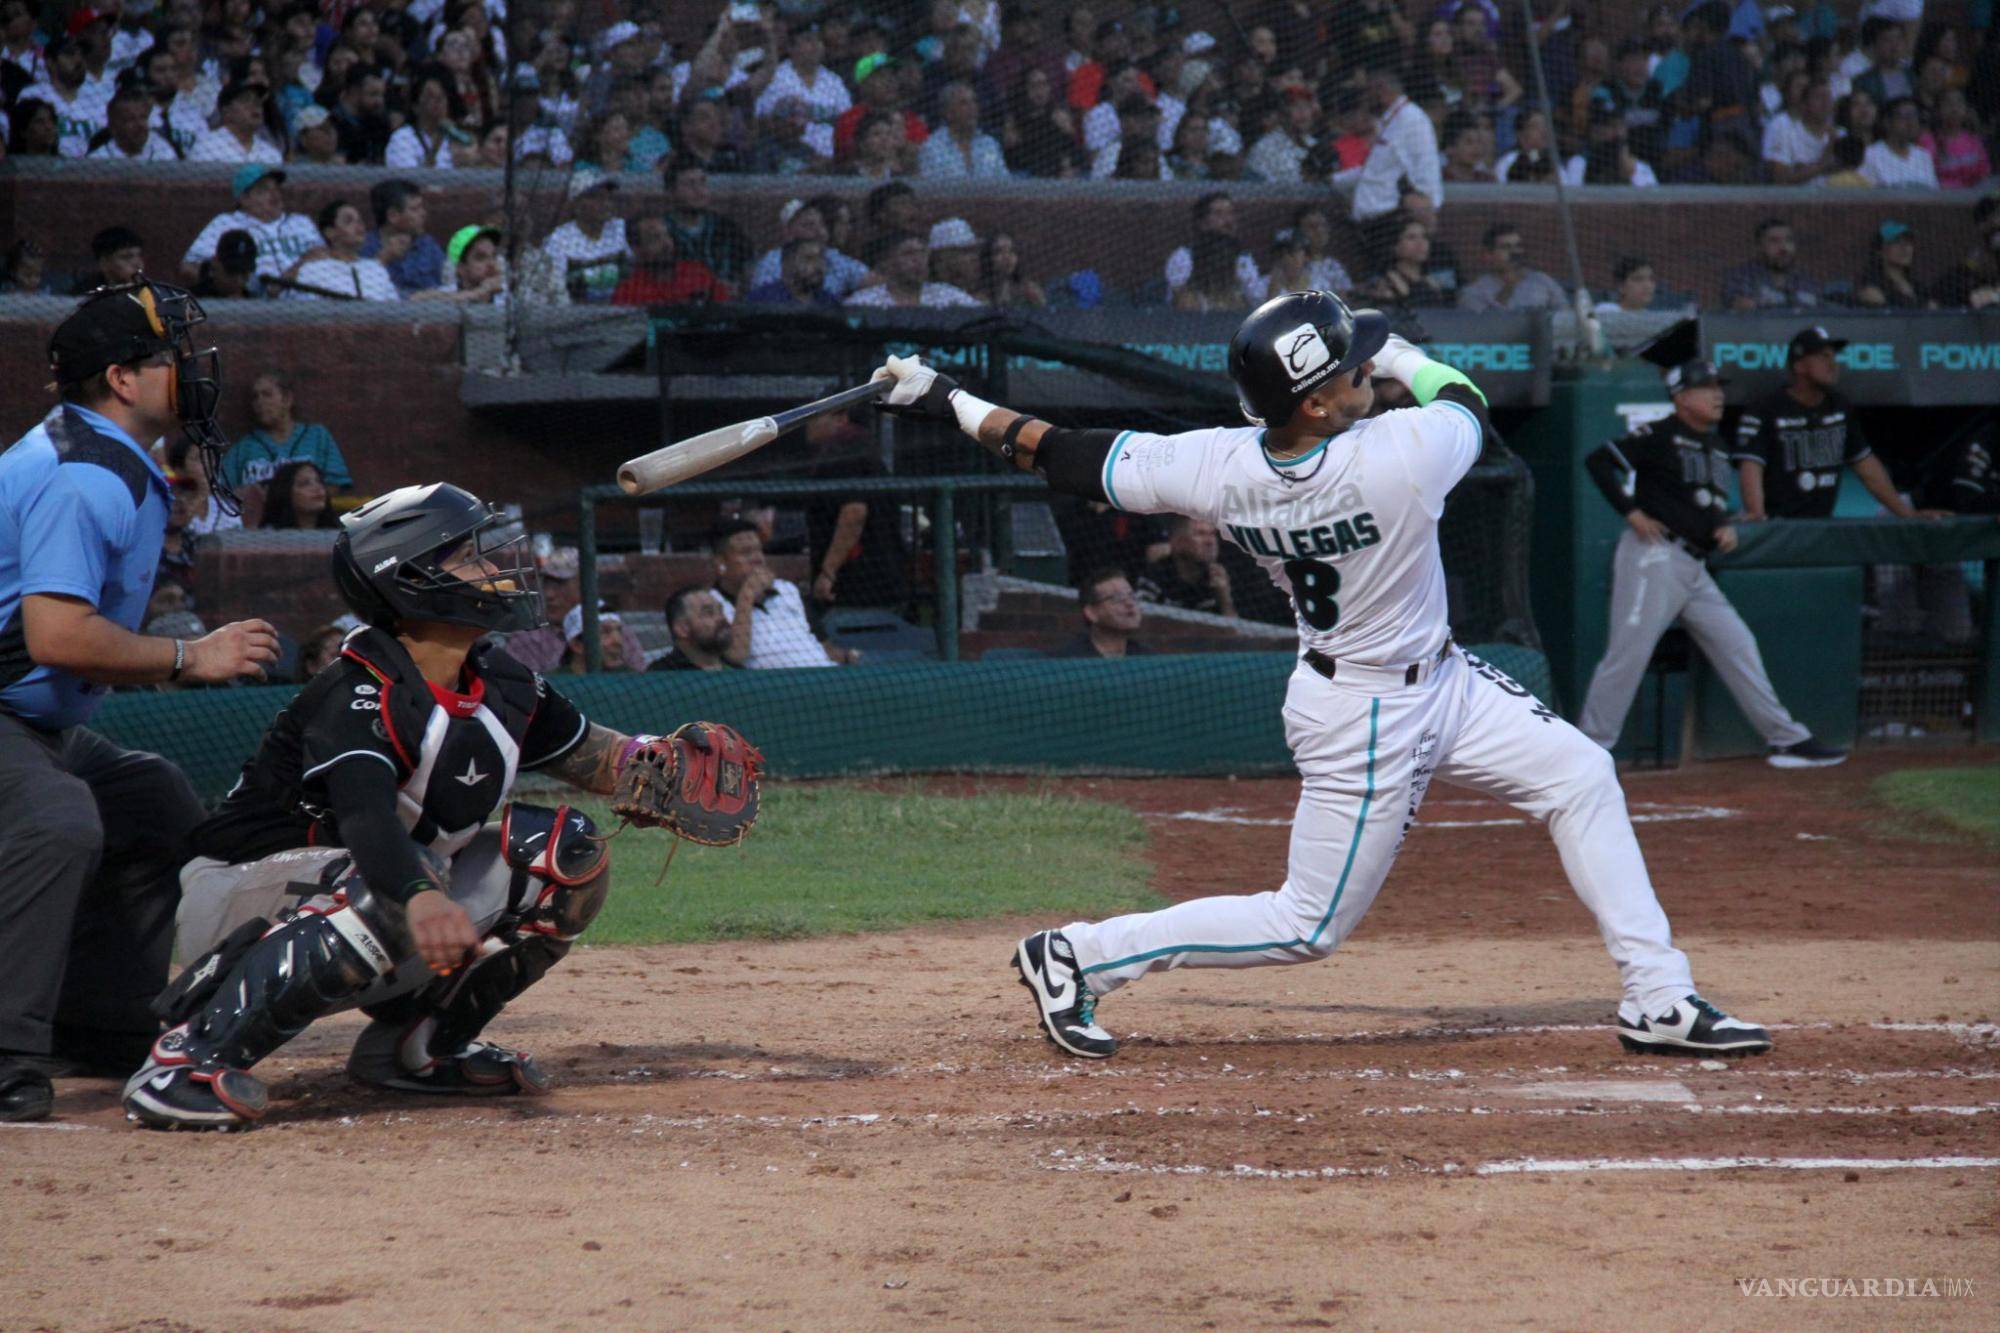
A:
1337	537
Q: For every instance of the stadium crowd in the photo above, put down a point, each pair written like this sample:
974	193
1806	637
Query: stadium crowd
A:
1381	101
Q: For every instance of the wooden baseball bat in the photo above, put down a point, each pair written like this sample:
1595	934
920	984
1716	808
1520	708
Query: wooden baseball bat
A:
682	459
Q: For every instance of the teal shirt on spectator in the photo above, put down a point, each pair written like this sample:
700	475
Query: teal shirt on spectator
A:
252	459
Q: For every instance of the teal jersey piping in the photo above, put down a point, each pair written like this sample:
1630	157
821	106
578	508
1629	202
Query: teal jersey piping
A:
1110	458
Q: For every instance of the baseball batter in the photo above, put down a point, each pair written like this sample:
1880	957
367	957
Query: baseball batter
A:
1342	511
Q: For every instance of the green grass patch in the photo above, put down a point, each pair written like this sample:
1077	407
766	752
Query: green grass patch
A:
827	858
1965	799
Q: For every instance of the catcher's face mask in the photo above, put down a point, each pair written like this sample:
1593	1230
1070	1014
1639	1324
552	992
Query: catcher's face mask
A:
494	569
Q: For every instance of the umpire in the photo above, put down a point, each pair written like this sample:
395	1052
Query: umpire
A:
92	836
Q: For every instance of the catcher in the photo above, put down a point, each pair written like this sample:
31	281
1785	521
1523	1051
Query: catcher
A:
369	798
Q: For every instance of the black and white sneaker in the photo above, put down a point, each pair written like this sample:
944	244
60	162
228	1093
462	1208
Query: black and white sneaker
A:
1064	1005
186	1096
386	1056
1692	1027
1807	753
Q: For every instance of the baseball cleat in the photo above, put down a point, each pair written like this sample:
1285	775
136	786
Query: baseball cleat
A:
25	1091
1692	1027
1064	1005
190	1097
481	1069
1807	753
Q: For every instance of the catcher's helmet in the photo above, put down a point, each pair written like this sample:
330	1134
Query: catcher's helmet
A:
1292	344
388	561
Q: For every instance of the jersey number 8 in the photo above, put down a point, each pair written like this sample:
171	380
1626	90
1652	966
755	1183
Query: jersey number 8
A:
1314	587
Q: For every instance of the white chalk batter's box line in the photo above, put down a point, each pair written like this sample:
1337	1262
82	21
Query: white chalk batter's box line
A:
1059	1159
1643	812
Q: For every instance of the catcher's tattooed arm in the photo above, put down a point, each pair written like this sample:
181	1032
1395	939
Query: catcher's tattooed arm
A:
593	762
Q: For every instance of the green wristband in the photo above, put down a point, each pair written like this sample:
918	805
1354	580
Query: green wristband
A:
1433	376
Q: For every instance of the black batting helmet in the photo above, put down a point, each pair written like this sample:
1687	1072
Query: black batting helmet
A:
388	561
1292	344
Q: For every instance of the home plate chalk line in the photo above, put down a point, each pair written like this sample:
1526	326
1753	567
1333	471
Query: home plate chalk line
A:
1643	812
1059	1159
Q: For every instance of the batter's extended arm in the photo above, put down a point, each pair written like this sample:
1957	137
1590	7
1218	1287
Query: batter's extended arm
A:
1072	460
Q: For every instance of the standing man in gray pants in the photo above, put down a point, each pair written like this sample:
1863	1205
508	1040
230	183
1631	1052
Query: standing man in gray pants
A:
1670	480
92	836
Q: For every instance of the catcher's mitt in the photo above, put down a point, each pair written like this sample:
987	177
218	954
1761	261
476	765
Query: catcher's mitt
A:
700	783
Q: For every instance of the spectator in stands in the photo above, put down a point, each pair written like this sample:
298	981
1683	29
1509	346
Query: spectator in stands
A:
1798	141
175	114
1040	136
1407	281
131	137
1314	230
77	104
1532	158
317	143
33	130
541	649
955	254
1188	158
818	90
903	266
283	239
877	154
1405	148
1886	47
414	259
701	141
1772	279
891	207
1855	119
360	117
779	147
699	231
1890	280
1509	284
241	135
589	251
1974	282
119	255
855	543
958	149
1111	616
1636	96
1136	156
1792	443
477	273
343	271
605	144
879	82
27	270
767	617
319	650
1488	84
20	44
1279	157
802	278
1214	215
1432	81
280	438
809	221
1191	575
1213	283
701	632
231	272
1608	159
1002	281
471	81
194	498
1633	285
611	632
1468	154
425	139
1897	159
1721	87
659	277
1956	147
296	498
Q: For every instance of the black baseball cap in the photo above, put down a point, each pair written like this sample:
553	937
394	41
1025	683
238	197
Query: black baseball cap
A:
1693	375
113	326
1815	339
1678	353
236	251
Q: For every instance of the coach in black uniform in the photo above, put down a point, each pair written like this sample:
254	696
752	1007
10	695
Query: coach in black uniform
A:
1968	482
1670	481
1792	443
90	833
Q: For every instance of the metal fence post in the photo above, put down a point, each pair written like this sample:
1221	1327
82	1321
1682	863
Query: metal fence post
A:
944	547
586	581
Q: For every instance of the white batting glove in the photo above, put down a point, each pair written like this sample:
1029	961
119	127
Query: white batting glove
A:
913	380
1399	359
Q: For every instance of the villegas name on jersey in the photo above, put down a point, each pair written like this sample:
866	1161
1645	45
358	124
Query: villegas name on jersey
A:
1335	538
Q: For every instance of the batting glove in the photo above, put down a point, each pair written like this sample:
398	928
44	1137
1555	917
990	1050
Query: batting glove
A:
919	391
1399	359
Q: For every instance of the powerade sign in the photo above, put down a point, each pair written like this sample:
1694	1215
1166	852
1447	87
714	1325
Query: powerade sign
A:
1914	359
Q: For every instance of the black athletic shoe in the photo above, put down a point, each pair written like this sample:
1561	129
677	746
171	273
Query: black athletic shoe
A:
25	1091
1808	753
1064	1005
480	1070
1692	1027
189	1097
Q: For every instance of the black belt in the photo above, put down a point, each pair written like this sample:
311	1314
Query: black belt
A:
1328	667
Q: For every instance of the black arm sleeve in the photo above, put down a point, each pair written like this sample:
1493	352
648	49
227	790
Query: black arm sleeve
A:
1468	398
1611	477
363	801
1073	460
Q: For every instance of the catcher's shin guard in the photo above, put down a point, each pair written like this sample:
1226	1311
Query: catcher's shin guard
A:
428	1041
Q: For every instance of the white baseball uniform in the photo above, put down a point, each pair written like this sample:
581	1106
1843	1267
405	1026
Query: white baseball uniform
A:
1349	530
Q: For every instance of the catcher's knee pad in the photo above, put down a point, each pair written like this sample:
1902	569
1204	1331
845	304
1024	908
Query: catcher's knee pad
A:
302	969
561	871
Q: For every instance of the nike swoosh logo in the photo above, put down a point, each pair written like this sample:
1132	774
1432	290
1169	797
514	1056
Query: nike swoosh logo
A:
1056	989
160	1081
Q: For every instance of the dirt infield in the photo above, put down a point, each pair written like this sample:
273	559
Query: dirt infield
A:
1433	1127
